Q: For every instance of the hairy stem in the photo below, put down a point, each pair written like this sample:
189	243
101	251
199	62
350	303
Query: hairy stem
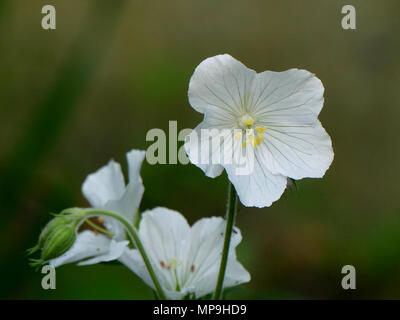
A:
230	221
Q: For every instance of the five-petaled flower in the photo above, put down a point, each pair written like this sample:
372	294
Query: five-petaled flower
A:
271	117
186	259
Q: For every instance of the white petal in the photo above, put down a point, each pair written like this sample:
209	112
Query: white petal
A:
207	237
162	231
259	187
115	250
135	160
297	151
89	245
104	185
127	206
293	96
133	261
203	253
206	147
235	274
220	84
105	189
129	202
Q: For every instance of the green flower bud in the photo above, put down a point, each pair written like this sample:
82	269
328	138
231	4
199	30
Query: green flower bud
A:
58	240
58	236
54	223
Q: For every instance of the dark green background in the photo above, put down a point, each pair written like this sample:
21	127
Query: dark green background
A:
72	98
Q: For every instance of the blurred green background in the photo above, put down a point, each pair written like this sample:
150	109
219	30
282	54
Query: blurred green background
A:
72	98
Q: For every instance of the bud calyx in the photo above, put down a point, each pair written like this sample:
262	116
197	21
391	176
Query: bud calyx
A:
57	237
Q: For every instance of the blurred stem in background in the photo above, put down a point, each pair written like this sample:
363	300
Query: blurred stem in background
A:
50	117
230	222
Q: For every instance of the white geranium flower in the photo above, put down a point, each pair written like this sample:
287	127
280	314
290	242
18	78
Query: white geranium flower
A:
186	259
272	116
105	189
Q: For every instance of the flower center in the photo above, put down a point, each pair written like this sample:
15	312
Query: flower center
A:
246	121
172	265
250	133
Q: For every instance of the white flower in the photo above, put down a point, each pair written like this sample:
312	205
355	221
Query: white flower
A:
186	259
105	189
272	116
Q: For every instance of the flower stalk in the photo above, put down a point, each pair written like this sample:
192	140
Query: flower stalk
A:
230	221
99	229
134	237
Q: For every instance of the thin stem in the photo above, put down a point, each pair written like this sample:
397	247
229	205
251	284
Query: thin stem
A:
98	228
134	236
230	221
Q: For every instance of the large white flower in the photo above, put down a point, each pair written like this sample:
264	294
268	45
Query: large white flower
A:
186	259
270	117
105	189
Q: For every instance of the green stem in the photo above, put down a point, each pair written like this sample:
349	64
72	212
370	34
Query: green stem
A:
98	228
134	236
230	221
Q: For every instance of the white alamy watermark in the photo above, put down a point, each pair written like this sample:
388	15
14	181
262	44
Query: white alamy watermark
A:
206	146
49	20
157	153
349	280
49	280
349	18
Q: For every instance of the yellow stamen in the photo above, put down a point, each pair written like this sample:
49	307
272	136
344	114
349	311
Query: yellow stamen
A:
256	142
254	135
261	130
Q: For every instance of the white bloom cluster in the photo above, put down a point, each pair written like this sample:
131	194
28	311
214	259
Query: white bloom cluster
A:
266	122
186	259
